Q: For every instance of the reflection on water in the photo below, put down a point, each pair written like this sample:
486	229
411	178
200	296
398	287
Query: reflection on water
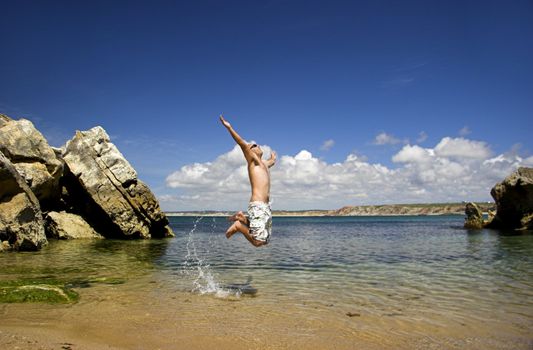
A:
411	270
84	259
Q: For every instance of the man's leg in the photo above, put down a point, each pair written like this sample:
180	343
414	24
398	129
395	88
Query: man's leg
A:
239	216
240	227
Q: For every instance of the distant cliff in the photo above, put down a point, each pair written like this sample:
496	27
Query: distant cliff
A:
409	209
364	210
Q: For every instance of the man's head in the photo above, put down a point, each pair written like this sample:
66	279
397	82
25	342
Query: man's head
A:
256	149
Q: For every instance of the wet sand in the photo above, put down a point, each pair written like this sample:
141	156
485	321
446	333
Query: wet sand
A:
126	317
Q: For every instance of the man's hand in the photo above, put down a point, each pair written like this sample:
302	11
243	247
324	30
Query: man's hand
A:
225	122
248	154
272	160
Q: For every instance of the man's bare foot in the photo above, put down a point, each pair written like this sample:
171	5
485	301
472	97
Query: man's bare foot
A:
231	230
239	216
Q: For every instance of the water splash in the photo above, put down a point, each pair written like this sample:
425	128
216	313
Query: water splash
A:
199	268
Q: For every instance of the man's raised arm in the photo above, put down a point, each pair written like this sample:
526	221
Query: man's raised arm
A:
233	133
249	155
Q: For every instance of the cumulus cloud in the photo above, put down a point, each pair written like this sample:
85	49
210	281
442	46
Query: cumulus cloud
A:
387	139
461	147
528	162
413	154
455	169
326	146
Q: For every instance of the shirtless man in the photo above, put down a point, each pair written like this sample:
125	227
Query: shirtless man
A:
258	225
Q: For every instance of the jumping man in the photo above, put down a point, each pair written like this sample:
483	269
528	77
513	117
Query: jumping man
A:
258	225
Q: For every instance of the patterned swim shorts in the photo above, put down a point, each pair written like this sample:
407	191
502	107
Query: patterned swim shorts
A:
260	218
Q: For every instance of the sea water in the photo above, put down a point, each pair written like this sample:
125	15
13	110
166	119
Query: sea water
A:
378	276
394	257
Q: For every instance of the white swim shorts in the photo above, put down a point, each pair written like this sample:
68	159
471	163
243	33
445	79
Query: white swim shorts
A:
260	218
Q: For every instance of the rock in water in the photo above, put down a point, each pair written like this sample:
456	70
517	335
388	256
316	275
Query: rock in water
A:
21	222
108	193
33	158
474	216
64	225
514	201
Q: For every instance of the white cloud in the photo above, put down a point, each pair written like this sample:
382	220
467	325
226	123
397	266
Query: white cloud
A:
455	169
413	154
464	131
326	146
528	162
422	136
461	147
387	139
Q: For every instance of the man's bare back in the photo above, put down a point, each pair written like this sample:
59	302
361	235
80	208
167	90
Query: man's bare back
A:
256	228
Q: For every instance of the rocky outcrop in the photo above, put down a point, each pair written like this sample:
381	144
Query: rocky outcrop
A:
474	217
109	194
64	225
21	225
514	201
83	188
33	158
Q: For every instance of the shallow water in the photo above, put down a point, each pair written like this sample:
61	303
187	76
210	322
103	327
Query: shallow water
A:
379	281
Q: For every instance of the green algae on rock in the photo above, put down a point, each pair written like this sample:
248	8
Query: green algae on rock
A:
17	292
46	290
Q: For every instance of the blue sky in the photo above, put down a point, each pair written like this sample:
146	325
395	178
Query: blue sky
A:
372	77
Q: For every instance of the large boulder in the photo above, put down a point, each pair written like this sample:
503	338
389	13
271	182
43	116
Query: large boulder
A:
514	200
62	225
21	224
103	187
474	216
33	158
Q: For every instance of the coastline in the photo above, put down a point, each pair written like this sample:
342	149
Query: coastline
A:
421	209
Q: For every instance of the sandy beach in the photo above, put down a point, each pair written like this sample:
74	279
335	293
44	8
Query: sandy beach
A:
122	317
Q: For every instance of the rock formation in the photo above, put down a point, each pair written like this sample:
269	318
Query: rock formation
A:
474	216
88	180
64	225
113	199
33	158
21	225
514	201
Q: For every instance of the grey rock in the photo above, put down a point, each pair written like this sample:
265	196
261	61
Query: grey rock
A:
62	225
514	201
106	190
33	158
21	223
474	216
